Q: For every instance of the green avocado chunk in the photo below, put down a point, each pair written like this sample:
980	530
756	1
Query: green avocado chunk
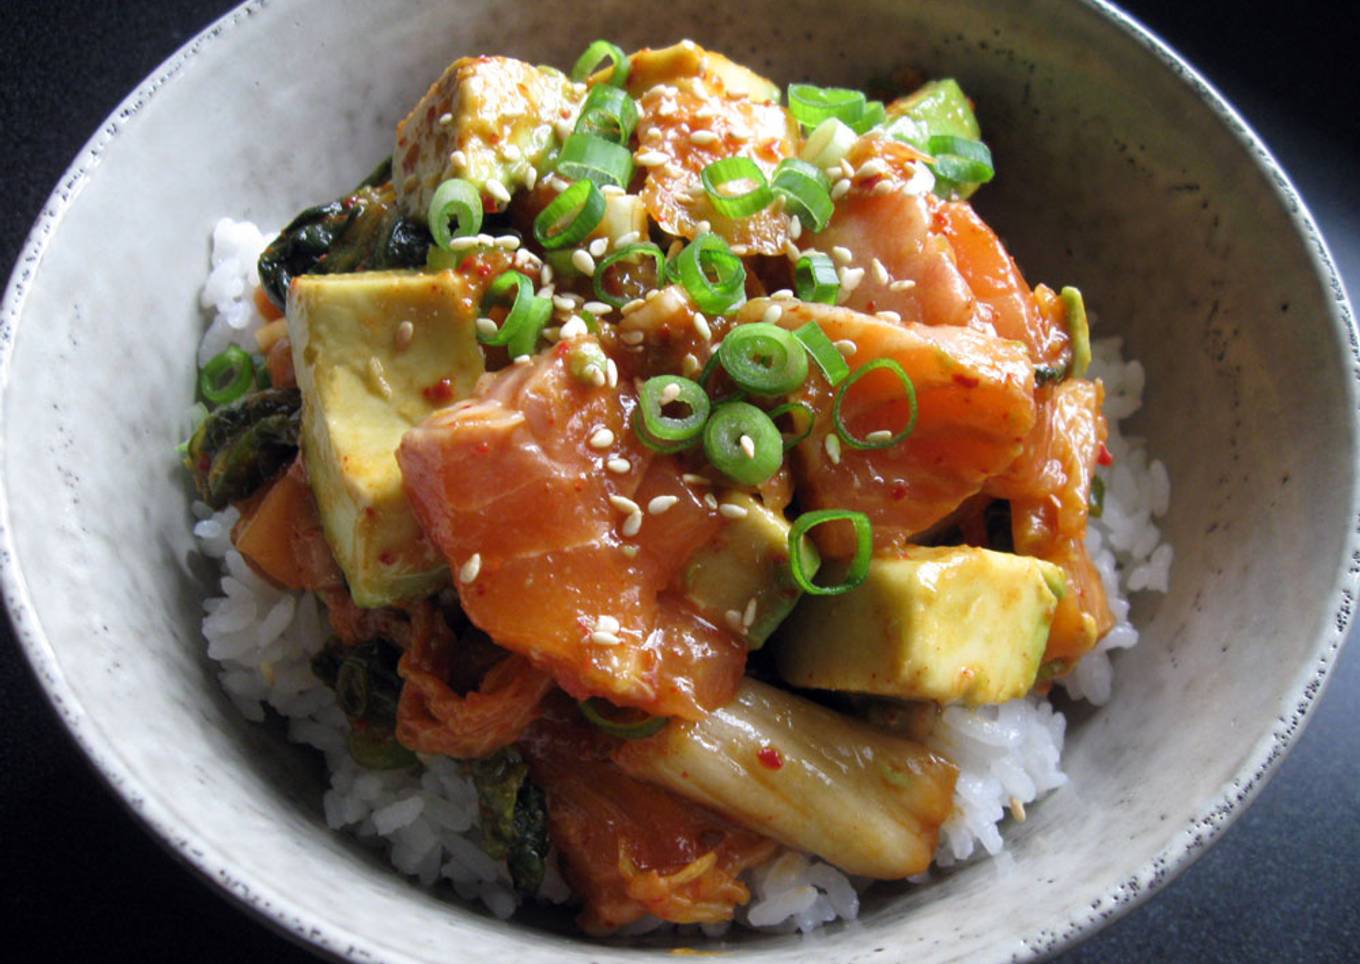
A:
939	107
375	353
953	624
748	561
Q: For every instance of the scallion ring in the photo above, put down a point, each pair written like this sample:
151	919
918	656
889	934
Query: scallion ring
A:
596	52
806	192
815	279
961	159
811	105
736	171
571	216
665	390
643	250
859	566
725	290
789	408
586	157
227	376
640	730
764	359
827	356
454	200
528	314
874	114
608	113
909	390
743	443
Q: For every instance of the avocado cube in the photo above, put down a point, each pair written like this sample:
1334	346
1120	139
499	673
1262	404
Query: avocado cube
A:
952	624
939	107
486	119
749	560
375	353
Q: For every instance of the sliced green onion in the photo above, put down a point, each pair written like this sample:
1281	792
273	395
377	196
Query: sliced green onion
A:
806	192
811	105
528	314
663	390
454	200
815	279
763	359
745	462
227	376
735	171
809	420
720	294
608	113
586	157
596	52
961	159
874	114
582	203
650	726
627	253
864	444
859	566
827	356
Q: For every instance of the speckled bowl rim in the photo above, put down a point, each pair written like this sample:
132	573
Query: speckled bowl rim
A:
274	908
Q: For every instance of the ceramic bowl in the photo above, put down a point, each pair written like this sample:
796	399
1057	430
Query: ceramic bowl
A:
1121	172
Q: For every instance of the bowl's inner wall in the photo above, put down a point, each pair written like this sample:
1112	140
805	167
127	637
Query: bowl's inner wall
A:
1112	176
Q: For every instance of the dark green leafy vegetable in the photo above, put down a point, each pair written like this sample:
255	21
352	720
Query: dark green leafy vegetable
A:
364	231
514	817
240	446
367	687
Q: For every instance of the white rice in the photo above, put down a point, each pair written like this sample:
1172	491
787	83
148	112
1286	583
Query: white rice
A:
1008	756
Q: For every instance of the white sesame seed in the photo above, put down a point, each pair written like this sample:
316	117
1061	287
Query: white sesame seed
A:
546	291
631	525
670	393
672	169
905	284
583	262
613	372
598	247
832	444
740	250
629	551
607	623
880	272
445	119
462	244
833	171
612	190
782	293
510	152
524	360
690	364
485	240
847	169
507	241
748	446
654	293
846	347
881	435
850	278
471	568
458	159
650	134
602	438
839	189
703	138
791	251
892	316
702	327
651	158
597	378
498	190
692	479
624	504
564	302
405	332
486	327
842	254
733	511
749	616
634	337
661	503
873	167
733	617
883	187
618	465
772	315
632	306
546	275
703	227
795	228
625	239
531	177
602	638
597	308
575	327
711	500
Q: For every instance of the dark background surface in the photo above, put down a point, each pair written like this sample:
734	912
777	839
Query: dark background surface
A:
83	881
